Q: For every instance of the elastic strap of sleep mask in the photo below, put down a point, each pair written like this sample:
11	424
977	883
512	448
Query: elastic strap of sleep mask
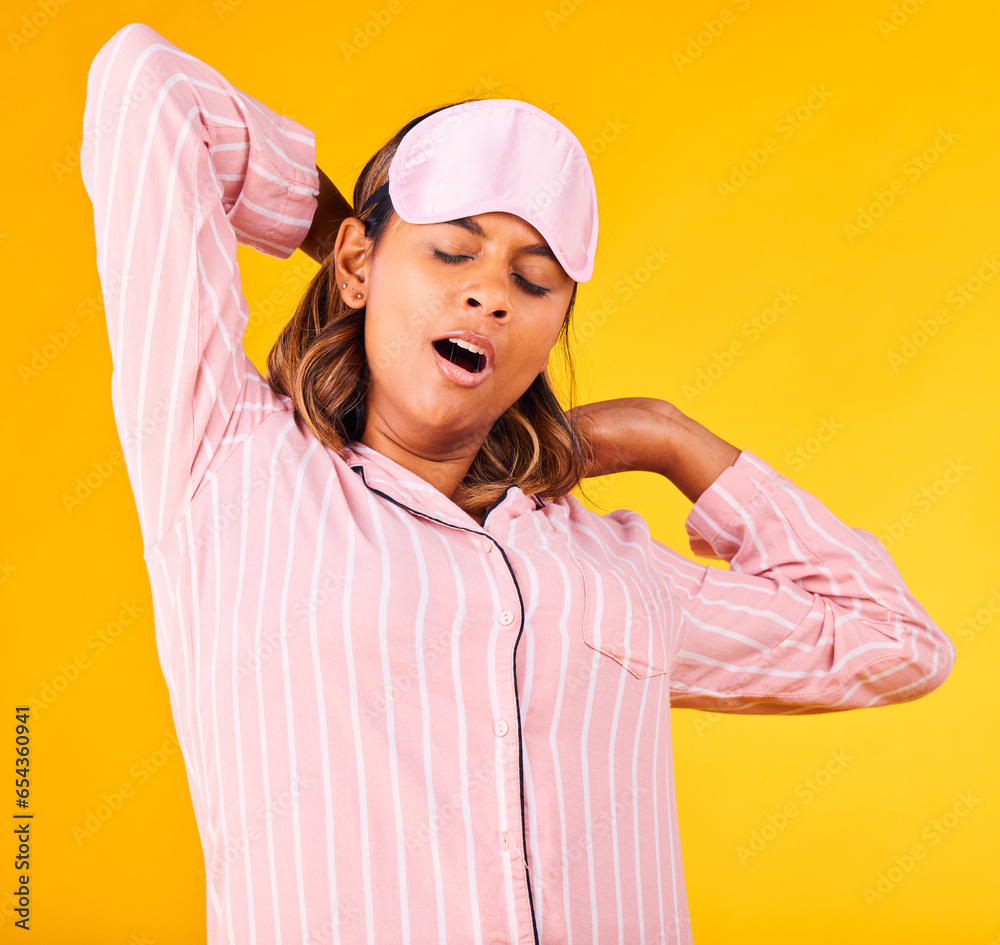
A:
377	194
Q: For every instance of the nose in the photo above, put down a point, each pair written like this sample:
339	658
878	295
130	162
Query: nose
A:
487	291
473	302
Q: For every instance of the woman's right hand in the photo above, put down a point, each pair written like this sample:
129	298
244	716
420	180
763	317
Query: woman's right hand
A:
331	211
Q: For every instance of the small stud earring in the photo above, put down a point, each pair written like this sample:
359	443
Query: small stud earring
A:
359	295
343	285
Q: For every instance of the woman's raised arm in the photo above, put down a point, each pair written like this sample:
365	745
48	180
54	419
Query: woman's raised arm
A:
812	615
181	166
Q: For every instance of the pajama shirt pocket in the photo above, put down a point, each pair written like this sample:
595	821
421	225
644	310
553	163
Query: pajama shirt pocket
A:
624	619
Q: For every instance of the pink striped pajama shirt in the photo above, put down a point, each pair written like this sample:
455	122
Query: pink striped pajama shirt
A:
400	726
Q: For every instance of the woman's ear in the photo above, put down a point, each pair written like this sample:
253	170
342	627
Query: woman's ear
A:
350	259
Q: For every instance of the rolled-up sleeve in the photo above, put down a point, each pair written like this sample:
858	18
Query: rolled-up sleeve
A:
812	615
181	166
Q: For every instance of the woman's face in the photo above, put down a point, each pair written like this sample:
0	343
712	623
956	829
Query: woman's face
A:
490	281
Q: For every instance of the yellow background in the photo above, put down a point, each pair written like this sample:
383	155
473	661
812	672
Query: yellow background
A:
662	133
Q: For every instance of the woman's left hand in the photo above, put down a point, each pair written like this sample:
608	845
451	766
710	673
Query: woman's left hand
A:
614	428
645	433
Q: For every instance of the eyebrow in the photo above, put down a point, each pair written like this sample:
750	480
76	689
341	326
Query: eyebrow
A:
531	249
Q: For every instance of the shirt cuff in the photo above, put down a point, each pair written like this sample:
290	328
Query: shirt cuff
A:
278	199
735	489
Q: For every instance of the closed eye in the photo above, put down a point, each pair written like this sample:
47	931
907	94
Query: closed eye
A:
448	258
528	287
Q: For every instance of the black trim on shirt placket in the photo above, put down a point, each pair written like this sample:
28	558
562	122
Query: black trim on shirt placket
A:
517	702
496	502
431	518
520	748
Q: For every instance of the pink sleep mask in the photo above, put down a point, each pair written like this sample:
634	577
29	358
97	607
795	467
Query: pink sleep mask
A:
499	155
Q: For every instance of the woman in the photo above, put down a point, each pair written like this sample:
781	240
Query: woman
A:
423	694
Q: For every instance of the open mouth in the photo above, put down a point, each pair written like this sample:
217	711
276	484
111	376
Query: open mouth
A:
458	354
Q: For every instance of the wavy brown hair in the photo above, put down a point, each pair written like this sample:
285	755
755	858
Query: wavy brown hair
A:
319	361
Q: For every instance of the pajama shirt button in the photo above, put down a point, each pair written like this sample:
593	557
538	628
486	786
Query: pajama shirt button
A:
506	617
487	545
500	728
